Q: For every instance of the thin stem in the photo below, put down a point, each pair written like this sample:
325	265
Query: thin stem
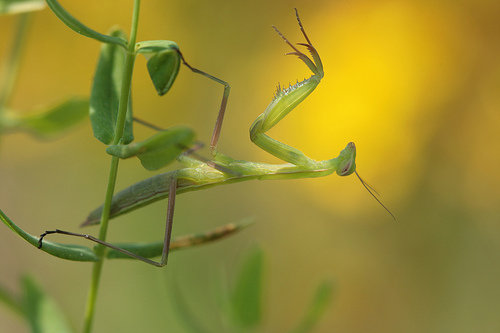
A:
100	250
120	125
11	65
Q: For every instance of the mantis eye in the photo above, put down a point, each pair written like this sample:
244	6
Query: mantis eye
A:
346	169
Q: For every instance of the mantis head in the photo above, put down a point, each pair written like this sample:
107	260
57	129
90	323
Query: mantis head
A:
347	165
346	160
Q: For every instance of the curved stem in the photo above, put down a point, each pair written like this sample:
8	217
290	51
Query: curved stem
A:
120	124
80	28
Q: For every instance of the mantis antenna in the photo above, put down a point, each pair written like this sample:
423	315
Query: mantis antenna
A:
368	187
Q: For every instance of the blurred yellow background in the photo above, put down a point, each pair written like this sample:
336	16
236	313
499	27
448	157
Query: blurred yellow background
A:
413	83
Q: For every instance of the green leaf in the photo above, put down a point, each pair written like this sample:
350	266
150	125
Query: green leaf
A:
163	62
191	322
42	313
158	150
246	296
20	6
105	95
317	308
150	47
82	29
51	121
63	251
163	68
11	302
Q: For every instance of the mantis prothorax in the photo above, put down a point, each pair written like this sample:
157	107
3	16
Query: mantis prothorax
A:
199	175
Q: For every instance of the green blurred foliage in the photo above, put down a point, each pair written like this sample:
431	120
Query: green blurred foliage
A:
38	310
413	83
42	313
49	122
242	303
20	6
245	298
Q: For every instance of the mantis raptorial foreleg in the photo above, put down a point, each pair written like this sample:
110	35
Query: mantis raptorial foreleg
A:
166	241
284	101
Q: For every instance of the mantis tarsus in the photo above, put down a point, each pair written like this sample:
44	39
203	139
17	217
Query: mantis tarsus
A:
199	175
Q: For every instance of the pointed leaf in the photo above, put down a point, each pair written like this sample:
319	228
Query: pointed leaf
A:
105	95
163	68
20	6
163	62
51	121
317	308
246	297
63	251
43	314
159	150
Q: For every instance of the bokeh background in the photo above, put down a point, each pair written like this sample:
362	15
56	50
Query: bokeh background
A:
413	83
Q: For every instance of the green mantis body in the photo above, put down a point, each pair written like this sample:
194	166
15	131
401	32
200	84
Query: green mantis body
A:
198	175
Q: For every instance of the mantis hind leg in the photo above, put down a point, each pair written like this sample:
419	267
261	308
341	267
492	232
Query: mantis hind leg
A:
166	241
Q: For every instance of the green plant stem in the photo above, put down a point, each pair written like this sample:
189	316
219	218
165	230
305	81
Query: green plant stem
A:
120	125
11	65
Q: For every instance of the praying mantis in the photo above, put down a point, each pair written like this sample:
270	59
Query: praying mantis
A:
198	174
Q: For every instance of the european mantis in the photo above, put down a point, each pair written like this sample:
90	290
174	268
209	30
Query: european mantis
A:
197	175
